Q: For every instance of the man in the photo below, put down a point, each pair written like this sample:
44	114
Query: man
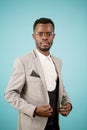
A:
36	87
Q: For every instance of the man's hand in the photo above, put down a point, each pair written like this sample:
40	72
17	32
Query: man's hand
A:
65	109
43	111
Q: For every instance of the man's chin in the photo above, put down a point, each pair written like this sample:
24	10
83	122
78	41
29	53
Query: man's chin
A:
44	49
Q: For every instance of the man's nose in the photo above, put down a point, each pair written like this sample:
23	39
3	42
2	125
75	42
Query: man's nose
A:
44	36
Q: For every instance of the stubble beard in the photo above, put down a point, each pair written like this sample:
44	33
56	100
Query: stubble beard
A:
45	49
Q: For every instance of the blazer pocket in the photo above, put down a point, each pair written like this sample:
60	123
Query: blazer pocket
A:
34	74
34	86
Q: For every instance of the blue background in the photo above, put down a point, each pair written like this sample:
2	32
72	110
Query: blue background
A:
70	44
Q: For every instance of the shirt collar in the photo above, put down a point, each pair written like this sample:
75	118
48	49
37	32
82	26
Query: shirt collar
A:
42	57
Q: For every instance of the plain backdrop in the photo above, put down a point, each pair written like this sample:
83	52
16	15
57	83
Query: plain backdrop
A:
70	44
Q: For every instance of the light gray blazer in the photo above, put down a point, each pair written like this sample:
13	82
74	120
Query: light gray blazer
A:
27	89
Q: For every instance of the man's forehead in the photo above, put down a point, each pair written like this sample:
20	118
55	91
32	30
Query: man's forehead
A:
44	27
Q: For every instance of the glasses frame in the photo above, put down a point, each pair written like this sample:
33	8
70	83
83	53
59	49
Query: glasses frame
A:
48	34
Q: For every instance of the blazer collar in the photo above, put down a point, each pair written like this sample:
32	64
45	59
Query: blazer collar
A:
53	59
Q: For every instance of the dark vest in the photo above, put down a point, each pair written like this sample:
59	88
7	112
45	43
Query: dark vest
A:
52	123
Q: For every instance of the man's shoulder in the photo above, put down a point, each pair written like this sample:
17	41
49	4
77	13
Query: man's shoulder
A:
56	58
57	61
25	58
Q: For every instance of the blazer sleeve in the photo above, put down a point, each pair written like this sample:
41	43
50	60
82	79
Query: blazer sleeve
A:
62	92
14	89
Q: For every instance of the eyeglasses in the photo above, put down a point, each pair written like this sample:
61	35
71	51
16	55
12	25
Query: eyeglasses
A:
48	34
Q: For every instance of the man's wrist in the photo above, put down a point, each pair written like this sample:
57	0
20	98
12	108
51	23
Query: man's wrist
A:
34	114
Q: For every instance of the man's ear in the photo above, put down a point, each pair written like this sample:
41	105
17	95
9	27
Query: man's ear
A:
54	36
33	35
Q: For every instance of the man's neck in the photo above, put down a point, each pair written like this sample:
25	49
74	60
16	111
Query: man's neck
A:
46	53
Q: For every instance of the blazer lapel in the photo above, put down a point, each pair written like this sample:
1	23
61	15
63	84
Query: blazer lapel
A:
39	69
56	65
58	68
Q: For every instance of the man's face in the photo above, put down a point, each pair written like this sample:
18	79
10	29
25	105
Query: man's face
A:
43	36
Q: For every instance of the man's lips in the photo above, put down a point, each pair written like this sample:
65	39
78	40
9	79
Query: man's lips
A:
45	43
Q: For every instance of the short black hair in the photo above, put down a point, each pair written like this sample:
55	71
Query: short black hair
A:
43	21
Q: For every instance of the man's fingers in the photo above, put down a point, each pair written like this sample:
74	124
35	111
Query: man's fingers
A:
44	111
48	108
65	109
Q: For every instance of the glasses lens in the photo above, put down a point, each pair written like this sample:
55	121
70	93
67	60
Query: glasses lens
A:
42	34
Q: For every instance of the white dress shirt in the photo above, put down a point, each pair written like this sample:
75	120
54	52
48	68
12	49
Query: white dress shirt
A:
49	70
